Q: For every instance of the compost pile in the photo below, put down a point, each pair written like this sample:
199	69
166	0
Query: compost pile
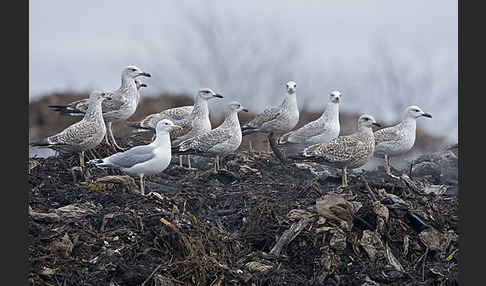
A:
259	222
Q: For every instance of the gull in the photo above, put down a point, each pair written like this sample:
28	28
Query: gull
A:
84	134
220	141
321	130
195	123
276	120
351	151
123	104
398	139
144	160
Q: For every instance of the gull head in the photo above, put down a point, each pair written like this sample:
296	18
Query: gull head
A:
133	72
139	84
335	96
165	125
291	87
414	111
208	93
367	121
99	96
235	106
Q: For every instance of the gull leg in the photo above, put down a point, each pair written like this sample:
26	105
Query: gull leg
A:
180	161
142	187
344	178
275	149
189	162
388	167
81	159
115	145
250	146
216	164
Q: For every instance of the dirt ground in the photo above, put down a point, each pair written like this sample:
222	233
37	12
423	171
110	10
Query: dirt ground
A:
260	222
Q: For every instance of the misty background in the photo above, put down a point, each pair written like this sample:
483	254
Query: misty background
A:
382	55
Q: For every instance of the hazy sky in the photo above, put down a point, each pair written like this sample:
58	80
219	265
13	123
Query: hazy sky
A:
83	45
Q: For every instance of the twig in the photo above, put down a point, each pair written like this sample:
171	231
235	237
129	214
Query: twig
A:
151	274
289	235
370	191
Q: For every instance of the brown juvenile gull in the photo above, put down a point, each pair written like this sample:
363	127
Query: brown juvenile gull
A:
195	123
220	141
321	130
84	134
144	160
276	120
351	151
398	139
123	104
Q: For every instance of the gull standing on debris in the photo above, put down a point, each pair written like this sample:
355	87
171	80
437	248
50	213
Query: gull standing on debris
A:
321	130
144	160
195	123
84	134
351	151
276	120
222	140
123	104
398	139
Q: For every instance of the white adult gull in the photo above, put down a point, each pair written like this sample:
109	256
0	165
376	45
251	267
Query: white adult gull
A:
400	138
351	151
123	104
144	160
220	141
195	123
276	120
84	134
321	130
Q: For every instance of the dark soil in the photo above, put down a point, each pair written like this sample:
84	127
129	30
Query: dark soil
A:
210	228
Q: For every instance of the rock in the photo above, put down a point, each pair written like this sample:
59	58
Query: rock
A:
431	237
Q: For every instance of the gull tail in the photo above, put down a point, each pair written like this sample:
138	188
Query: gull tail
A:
139	126
66	110
245	130
40	142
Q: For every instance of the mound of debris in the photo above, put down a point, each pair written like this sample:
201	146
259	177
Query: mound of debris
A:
259	222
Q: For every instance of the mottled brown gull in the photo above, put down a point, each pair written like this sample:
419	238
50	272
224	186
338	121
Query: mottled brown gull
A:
220	141
351	151
144	160
398	139
123	104
84	134
276	120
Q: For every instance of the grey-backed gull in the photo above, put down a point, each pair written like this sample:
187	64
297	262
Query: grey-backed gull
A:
144	160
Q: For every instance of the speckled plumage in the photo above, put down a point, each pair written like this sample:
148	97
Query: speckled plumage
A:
278	119
321	130
84	134
222	140
351	151
194	123
400	138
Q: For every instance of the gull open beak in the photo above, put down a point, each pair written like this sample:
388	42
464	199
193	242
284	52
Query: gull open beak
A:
376	124
177	127
218	95
245	110
145	74
143	85
427	115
